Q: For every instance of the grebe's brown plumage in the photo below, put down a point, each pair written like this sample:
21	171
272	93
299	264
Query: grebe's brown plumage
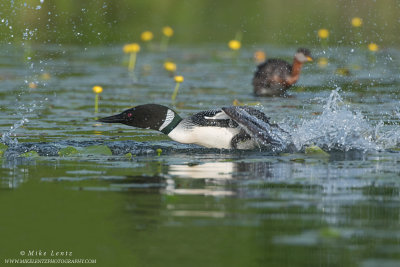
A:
275	76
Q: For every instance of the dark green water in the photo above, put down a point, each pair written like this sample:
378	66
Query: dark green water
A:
206	21
244	209
150	212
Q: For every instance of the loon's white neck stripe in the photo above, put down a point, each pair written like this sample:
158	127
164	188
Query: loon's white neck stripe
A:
168	119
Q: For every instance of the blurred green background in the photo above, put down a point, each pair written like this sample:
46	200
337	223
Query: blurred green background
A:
199	21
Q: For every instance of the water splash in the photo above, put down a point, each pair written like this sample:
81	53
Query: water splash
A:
7	139
338	127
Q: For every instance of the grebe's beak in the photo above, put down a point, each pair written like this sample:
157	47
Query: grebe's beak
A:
309	59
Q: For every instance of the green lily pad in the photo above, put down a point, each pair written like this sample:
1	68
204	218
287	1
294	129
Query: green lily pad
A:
315	151
29	154
67	151
97	150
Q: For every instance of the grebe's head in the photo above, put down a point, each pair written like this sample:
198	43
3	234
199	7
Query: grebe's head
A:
303	55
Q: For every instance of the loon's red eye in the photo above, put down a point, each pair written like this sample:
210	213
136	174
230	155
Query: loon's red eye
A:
129	115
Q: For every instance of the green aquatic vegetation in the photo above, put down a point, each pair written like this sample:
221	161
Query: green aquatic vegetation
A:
315	151
96	150
3	148
67	151
29	154
381	160
129	155
329	233
299	89
159	151
178	79
227	160
171	199
298	160
90	150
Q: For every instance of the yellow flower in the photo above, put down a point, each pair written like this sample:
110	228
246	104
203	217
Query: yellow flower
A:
323	33
234	44
178	79
45	76
237	103
97	89
322	62
168	31
373	47
146	36
356	22
343	71
170	66
131	48
32	85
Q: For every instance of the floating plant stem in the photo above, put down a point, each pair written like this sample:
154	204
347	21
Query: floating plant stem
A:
322	62
132	50
97	90
323	35
373	48
146	37
132	62
357	22
178	79
170	67
235	45
167	34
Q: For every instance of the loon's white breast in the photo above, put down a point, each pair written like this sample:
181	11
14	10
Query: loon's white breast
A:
213	129
207	136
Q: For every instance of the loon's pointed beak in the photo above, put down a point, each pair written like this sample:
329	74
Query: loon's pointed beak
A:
309	58
113	119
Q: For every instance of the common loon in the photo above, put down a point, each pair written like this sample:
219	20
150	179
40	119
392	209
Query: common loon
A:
228	127
275	76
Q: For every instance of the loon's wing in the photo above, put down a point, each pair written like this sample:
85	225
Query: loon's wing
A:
257	124
213	117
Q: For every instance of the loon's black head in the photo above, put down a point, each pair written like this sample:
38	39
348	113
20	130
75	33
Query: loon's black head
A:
148	116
